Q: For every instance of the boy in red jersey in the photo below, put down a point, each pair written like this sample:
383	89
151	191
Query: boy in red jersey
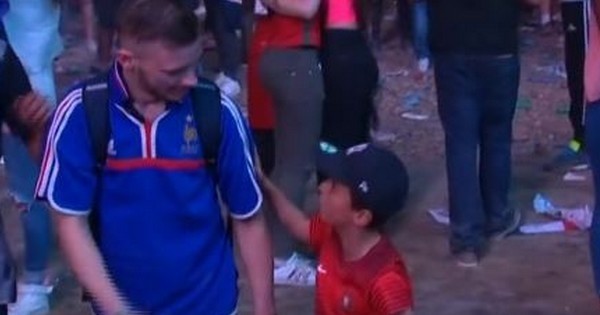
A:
359	272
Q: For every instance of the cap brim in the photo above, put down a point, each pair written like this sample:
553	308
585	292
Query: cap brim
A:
333	166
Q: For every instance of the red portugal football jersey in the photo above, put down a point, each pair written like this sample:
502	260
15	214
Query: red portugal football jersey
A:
376	284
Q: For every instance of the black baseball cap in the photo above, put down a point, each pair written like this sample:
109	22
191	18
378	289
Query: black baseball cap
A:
376	177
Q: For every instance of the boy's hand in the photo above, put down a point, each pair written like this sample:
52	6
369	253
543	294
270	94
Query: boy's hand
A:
263	179
33	111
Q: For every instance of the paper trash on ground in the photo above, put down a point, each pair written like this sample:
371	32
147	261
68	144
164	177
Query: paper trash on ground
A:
541	228
573	177
413	116
578	218
440	216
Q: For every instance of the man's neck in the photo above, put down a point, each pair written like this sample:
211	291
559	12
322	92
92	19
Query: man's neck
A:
357	242
145	103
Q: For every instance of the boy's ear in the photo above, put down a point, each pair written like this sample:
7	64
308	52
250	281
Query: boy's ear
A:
363	217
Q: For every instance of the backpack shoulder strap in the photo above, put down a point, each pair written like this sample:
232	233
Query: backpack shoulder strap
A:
95	97
206	100
95	103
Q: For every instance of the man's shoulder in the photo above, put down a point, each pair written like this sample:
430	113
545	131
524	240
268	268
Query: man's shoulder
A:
68	108
72	98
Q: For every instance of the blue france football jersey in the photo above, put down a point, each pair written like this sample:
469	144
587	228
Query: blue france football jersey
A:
162	233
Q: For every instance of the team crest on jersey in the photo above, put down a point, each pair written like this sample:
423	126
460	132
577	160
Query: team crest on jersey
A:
190	137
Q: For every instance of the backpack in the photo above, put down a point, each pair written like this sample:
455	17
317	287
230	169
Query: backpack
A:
206	104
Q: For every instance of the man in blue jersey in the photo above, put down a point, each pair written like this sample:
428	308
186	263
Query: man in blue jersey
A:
26	113
164	247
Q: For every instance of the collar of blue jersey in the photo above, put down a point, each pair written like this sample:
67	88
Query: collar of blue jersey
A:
119	91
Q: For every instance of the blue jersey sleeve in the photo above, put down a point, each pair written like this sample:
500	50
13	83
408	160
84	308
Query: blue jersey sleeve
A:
238	183
67	179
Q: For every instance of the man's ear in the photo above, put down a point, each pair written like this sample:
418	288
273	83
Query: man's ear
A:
125	58
363	217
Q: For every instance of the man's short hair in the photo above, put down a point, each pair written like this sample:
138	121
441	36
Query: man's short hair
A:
158	20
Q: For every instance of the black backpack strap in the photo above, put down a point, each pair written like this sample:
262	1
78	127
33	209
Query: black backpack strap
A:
206	100
95	98
95	102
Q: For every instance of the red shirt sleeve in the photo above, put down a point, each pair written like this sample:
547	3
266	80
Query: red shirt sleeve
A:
319	232
391	294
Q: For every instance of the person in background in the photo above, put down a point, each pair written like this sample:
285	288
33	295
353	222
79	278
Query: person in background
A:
32	29
548	12
88	18
476	63
350	75
404	18
421	34
574	21
224	20
26	113
375	14
106	15
260	103
592	128
291	73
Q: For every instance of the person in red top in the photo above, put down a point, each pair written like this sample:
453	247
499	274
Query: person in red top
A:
261	113
359	271
289	36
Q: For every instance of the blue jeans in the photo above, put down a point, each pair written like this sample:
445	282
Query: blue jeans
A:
476	102
420	29
22	174
592	136
8	61
32	29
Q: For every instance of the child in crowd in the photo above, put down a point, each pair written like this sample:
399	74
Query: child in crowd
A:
359	271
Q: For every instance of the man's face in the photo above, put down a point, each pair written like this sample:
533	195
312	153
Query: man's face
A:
164	71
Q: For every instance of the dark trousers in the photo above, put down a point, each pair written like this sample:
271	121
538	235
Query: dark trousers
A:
592	119
476	104
350	75
574	26
376	15
403	19
265	145
224	18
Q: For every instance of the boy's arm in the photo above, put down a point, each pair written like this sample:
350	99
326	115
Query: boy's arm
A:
293	218
391	294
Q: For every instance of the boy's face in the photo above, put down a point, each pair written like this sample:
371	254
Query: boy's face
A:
335	204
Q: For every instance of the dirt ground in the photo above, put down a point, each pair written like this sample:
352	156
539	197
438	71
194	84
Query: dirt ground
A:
523	275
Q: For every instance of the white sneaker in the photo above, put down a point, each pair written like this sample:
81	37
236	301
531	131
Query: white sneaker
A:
228	85
296	271
32	299
423	65
200	11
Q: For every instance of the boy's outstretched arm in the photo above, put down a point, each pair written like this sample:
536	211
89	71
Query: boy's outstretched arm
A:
293	218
